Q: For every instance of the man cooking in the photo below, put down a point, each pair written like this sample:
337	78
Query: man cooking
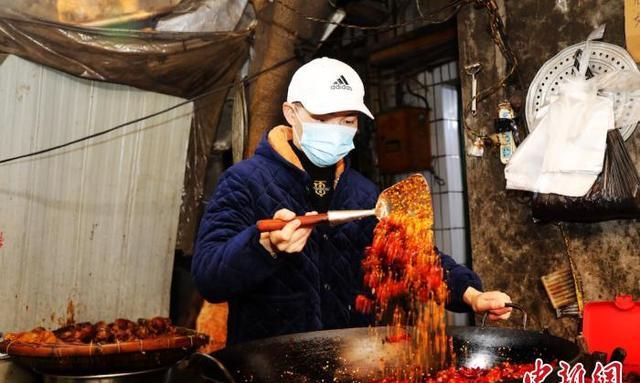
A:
301	279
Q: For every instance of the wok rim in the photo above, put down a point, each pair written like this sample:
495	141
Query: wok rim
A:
341	333
239	357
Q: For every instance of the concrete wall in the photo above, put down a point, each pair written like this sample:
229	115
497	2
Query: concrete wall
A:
509	251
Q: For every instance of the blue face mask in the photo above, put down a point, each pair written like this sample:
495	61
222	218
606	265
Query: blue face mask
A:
326	144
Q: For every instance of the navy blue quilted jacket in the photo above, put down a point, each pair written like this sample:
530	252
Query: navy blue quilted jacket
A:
307	291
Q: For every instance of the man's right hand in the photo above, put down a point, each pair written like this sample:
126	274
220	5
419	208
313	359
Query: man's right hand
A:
292	238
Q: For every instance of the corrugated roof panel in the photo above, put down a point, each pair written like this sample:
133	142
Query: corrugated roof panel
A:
90	229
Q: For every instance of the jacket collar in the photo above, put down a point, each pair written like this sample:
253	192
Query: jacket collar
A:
277	141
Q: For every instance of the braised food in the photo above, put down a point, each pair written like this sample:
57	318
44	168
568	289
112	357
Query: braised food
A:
121	330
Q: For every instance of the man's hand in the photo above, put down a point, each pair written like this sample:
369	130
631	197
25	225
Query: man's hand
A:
491	301
290	239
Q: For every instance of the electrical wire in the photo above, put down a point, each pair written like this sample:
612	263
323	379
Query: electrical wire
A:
419	8
496	28
498	34
415	94
456	5
289	34
425	21
146	117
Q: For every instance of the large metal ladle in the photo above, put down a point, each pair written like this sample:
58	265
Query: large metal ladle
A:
410	196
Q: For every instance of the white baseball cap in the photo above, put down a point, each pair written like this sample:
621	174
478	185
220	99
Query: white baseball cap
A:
327	85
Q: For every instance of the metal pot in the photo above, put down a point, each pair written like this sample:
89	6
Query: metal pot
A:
158	375
357	355
12	372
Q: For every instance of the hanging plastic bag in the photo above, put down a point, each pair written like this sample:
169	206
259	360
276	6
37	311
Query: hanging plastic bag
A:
623	87
565	151
577	175
614	195
576	130
616	192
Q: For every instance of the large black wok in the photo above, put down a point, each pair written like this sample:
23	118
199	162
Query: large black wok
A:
358	355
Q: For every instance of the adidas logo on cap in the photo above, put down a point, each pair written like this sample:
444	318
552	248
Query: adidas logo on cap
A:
341	83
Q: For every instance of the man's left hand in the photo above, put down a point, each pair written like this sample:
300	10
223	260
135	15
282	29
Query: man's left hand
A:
491	301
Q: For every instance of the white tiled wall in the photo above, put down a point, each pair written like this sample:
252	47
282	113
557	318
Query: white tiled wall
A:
440	87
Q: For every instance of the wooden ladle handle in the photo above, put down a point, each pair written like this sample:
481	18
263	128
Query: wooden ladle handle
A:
265	225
